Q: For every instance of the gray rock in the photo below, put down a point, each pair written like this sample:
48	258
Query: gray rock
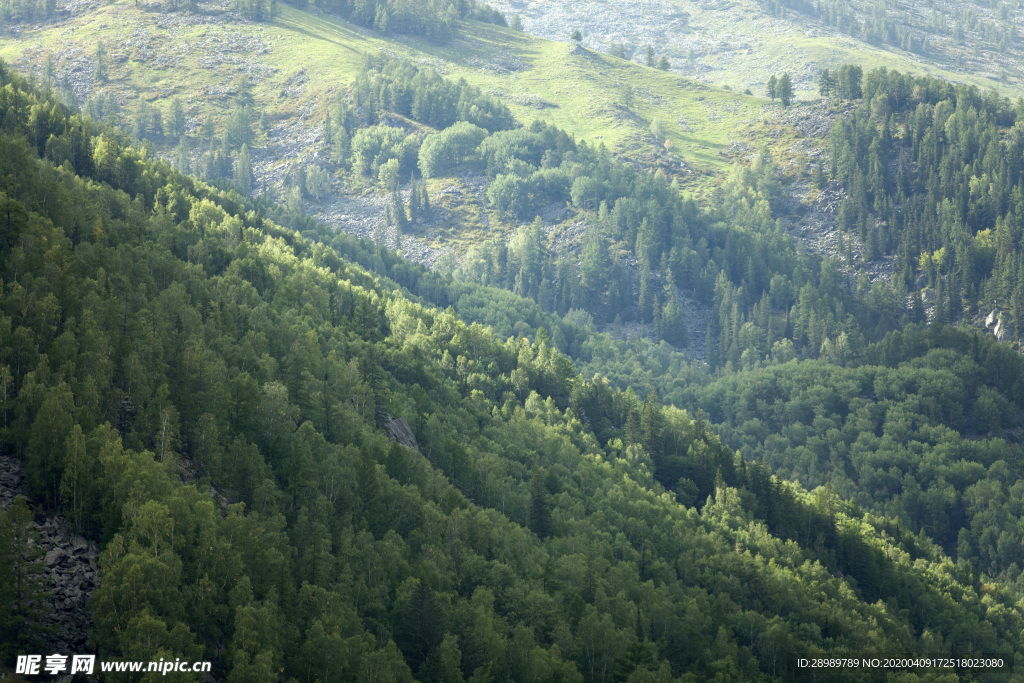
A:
54	557
1001	333
398	430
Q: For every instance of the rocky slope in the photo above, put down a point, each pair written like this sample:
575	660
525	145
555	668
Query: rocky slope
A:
70	569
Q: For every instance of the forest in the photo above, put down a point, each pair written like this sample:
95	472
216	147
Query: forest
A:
204	390
437	20
934	175
822	395
645	241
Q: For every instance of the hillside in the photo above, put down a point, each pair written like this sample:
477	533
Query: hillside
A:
301	60
210	396
740	43
693	383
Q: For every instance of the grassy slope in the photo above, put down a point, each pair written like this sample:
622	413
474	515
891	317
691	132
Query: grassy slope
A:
737	44
580	93
804	46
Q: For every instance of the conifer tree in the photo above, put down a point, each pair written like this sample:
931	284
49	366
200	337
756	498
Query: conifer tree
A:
100	74
784	89
22	591
244	178
415	205
177	118
428	213
540	507
826	84
398	212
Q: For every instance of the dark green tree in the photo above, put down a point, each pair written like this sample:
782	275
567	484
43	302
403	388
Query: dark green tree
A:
22	589
540	506
785	89
826	84
100	57
176	118
243	176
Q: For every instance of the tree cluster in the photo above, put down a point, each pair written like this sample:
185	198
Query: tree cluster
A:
932	173
435	19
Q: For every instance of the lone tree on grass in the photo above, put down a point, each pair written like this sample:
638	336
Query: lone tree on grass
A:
784	89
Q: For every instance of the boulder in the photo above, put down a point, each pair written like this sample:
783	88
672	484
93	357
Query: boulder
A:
54	557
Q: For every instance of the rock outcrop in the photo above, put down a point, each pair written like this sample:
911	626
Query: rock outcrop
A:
69	563
398	430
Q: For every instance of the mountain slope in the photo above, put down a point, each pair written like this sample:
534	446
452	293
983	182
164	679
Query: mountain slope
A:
741	43
302	59
207	394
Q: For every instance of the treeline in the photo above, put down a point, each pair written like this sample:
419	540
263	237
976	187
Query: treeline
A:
23	11
401	87
932	173
435	19
985	24
151	325
871	22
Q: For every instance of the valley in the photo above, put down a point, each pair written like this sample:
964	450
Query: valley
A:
387	341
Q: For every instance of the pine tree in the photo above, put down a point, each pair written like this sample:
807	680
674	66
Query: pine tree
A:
652	427
826	84
177	118
398	211
156	125
772	86
540	507
100	74
784	89
341	146
142	120
21	582
672	322
415	206
243	93
209	129
645	302
428	213
594	266
49	72
244	178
